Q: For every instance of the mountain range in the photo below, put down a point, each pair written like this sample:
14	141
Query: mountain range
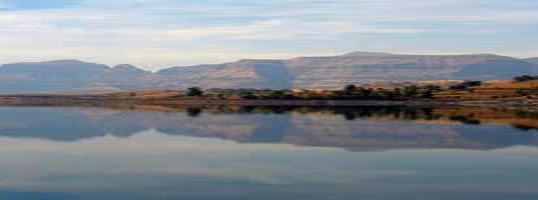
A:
73	76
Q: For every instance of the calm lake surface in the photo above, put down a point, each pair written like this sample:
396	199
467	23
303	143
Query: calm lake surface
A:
267	153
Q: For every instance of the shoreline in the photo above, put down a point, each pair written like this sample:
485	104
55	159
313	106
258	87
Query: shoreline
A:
53	99
73	100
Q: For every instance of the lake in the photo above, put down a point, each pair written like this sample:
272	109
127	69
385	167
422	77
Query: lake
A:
240	153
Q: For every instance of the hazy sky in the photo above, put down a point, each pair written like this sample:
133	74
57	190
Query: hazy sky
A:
159	33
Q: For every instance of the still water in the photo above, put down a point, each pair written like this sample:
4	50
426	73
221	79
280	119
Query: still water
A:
267	153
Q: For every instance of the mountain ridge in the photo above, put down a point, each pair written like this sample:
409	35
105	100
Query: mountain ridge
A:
532	60
302	72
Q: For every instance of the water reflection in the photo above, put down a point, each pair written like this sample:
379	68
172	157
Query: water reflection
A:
350	128
260	153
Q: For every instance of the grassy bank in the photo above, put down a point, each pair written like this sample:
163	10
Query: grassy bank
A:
517	93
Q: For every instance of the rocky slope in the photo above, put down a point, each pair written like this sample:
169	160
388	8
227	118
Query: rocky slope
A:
304	72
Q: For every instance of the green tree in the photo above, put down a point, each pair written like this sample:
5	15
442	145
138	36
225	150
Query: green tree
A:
350	89
525	78
385	94
465	85
427	93
433	88
410	91
397	92
365	92
277	94
248	95
195	91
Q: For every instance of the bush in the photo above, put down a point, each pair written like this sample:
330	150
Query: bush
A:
410	91
350	89
465	85
195	91
248	95
525	78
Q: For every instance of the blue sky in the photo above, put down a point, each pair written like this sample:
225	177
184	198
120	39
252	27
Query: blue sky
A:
159	33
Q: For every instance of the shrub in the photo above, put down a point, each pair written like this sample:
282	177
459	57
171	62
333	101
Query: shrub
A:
410	91
248	95
465	85
525	78
350	89
195	91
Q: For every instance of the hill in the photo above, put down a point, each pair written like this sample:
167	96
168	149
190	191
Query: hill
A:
532	60
64	76
335	71
70	76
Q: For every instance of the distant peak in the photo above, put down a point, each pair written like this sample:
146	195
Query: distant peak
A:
256	60
66	62
490	56
363	53
126	67
483	54
247	60
59	62
376	54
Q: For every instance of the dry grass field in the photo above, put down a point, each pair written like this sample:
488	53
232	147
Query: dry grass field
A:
494	90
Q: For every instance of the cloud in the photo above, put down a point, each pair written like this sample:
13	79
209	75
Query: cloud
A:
210	29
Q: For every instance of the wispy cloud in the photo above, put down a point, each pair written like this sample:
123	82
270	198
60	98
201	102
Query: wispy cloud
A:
210	29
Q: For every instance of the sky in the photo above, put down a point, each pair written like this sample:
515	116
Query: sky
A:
155	34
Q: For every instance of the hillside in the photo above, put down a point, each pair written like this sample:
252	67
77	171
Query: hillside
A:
335	71
532	60
66	76
70	76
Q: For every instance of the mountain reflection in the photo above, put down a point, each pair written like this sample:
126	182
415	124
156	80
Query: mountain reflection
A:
350	128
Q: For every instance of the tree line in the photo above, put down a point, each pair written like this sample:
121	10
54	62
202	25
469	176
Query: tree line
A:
349	92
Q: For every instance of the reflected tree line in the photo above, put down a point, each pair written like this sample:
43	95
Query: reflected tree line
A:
349	113
273	124
527	115
360	113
